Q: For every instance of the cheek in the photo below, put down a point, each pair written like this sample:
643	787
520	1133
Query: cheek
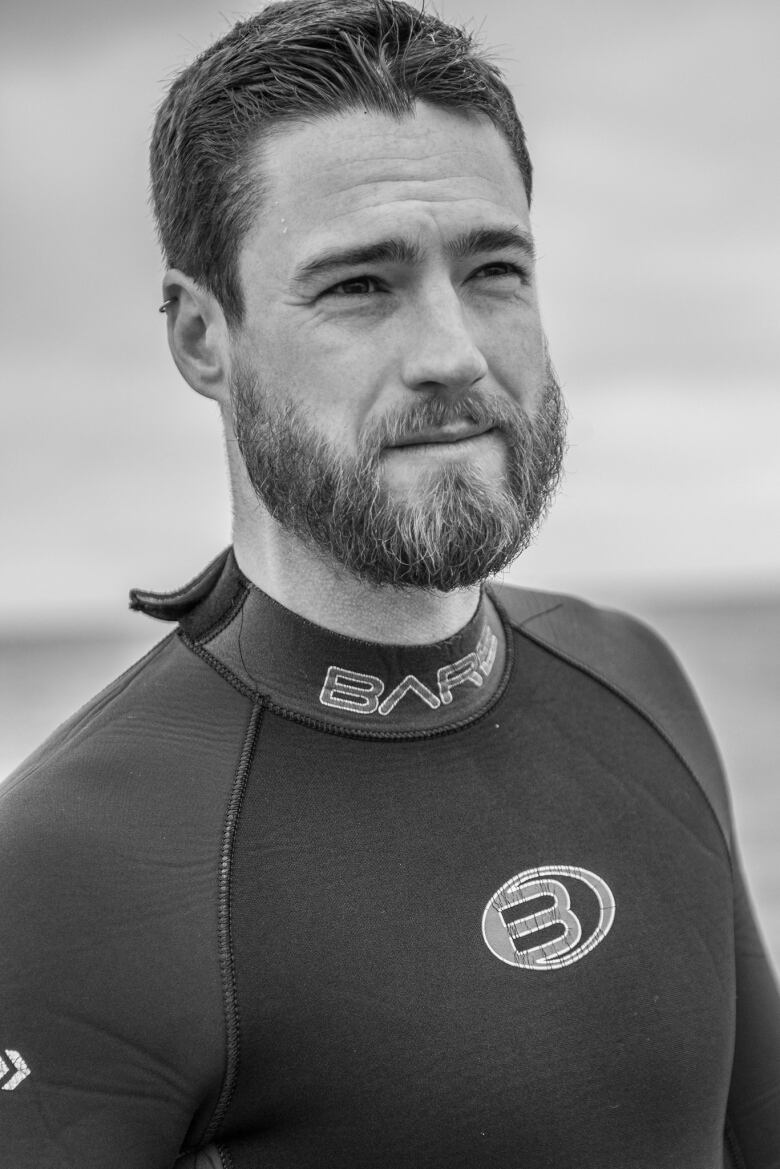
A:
340	381
335	391
517	360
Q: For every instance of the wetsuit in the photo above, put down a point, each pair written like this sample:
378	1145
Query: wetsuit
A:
307	901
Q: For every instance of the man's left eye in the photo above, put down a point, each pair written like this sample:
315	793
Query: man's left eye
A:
355	286
503	268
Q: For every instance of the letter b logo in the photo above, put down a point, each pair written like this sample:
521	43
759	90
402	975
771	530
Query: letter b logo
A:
530	922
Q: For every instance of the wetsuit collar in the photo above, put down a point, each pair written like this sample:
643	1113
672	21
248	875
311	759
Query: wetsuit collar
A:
317	675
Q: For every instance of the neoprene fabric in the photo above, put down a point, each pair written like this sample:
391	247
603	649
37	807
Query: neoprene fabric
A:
306	901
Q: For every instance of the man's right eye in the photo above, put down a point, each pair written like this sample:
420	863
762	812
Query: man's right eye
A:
355	286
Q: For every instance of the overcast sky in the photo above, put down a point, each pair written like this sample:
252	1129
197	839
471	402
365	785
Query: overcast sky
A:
653	132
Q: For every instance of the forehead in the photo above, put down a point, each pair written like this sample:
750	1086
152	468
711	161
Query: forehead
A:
348	175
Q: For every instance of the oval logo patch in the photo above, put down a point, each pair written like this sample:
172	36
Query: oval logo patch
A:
548	917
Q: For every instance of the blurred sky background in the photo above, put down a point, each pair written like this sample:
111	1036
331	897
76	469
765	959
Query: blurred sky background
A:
657	183
653	129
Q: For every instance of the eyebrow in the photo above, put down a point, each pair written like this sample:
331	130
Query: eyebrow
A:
397	250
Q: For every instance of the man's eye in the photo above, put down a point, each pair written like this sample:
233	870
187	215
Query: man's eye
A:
355	286
501	268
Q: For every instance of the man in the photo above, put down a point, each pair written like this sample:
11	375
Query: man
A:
369	863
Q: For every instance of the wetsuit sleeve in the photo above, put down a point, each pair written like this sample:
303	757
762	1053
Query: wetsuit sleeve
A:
754	1099
91	1075
111	911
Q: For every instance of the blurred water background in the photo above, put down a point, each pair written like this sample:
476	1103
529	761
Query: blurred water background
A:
653	133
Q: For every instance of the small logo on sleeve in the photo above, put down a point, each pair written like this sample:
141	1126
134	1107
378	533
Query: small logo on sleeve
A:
21	1070
549	917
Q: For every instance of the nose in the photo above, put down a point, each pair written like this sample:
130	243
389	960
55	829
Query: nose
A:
440	351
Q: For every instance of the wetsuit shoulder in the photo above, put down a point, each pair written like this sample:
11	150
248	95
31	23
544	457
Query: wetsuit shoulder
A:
629	658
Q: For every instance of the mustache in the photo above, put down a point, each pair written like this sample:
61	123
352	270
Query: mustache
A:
488	411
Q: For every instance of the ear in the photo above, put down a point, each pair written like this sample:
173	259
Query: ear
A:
197	336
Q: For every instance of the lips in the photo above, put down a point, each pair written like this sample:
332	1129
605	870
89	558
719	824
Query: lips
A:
457	432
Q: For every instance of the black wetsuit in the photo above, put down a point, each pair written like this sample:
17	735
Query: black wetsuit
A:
311	902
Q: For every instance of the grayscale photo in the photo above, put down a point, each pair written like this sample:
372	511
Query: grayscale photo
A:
390	615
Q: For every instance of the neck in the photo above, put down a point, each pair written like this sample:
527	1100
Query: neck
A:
329	596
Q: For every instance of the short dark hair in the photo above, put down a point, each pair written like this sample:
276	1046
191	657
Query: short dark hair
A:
298	60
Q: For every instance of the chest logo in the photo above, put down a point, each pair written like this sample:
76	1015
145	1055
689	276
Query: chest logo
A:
549	917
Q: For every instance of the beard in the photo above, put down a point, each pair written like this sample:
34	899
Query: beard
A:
459	528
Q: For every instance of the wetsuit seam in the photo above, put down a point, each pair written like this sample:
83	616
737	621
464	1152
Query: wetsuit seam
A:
227	617
225	945
226	1159
388	736
354	732
733	1145
224	671
532	617
634	705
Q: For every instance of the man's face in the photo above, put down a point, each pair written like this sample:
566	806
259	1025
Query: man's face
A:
392	394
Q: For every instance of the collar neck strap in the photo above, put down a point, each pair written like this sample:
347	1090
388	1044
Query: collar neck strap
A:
367	688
